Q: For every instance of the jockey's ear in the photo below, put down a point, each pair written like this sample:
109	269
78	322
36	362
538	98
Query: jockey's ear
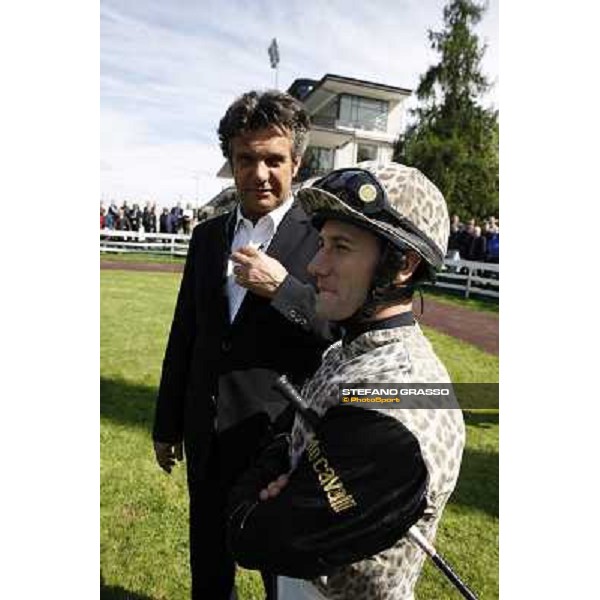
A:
408	268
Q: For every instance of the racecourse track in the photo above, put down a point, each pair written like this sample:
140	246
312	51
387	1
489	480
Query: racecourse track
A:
479	328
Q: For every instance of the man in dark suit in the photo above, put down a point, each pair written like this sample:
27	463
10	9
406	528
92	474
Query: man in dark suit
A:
245	314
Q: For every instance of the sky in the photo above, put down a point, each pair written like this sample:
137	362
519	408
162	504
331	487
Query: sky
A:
169	70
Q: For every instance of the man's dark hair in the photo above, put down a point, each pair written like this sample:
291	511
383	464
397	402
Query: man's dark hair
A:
259	110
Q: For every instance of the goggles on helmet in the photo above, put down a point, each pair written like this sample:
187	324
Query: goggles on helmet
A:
361	190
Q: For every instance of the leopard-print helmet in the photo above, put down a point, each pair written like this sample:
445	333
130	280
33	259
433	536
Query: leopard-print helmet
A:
394	201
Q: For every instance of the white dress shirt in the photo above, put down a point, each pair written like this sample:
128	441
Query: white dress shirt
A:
297	589
257	235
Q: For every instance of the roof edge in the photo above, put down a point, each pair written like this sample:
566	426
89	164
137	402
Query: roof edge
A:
343	79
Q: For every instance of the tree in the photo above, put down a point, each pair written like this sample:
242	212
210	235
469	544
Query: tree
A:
453	139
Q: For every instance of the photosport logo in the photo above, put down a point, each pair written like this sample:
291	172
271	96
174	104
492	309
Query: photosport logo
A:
419	395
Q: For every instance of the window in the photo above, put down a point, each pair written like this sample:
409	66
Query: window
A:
366	152
363	113
316	161
319	160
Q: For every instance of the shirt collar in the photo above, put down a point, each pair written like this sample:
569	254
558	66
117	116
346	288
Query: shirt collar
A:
275	216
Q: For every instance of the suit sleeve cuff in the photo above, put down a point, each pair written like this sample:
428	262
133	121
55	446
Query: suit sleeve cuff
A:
292	300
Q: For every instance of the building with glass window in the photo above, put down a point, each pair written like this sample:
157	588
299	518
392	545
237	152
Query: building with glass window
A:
352	120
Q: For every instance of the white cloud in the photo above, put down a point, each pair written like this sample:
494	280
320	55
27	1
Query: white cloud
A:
138	170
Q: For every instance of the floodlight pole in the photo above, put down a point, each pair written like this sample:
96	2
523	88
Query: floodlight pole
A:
273	52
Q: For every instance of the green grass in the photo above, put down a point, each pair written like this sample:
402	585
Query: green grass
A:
437	294
468	534
144	512
446	296
141	257
465	363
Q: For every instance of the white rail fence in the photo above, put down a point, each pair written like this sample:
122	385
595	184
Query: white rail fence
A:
465	276
470	277
172	244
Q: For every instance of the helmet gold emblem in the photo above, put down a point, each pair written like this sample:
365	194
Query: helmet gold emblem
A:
367	192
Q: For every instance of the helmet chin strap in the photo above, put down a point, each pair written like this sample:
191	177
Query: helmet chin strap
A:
382	296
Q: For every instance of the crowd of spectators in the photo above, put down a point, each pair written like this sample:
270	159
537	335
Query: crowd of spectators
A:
472	241
468	241
133	218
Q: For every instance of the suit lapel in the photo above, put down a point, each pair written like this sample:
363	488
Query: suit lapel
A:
218	257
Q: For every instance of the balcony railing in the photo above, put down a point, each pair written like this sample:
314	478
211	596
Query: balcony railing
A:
378	124
325	122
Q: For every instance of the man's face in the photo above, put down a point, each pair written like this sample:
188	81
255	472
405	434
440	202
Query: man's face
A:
344	268
263	168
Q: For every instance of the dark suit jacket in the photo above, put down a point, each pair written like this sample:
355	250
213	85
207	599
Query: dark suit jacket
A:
219	376
477	250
